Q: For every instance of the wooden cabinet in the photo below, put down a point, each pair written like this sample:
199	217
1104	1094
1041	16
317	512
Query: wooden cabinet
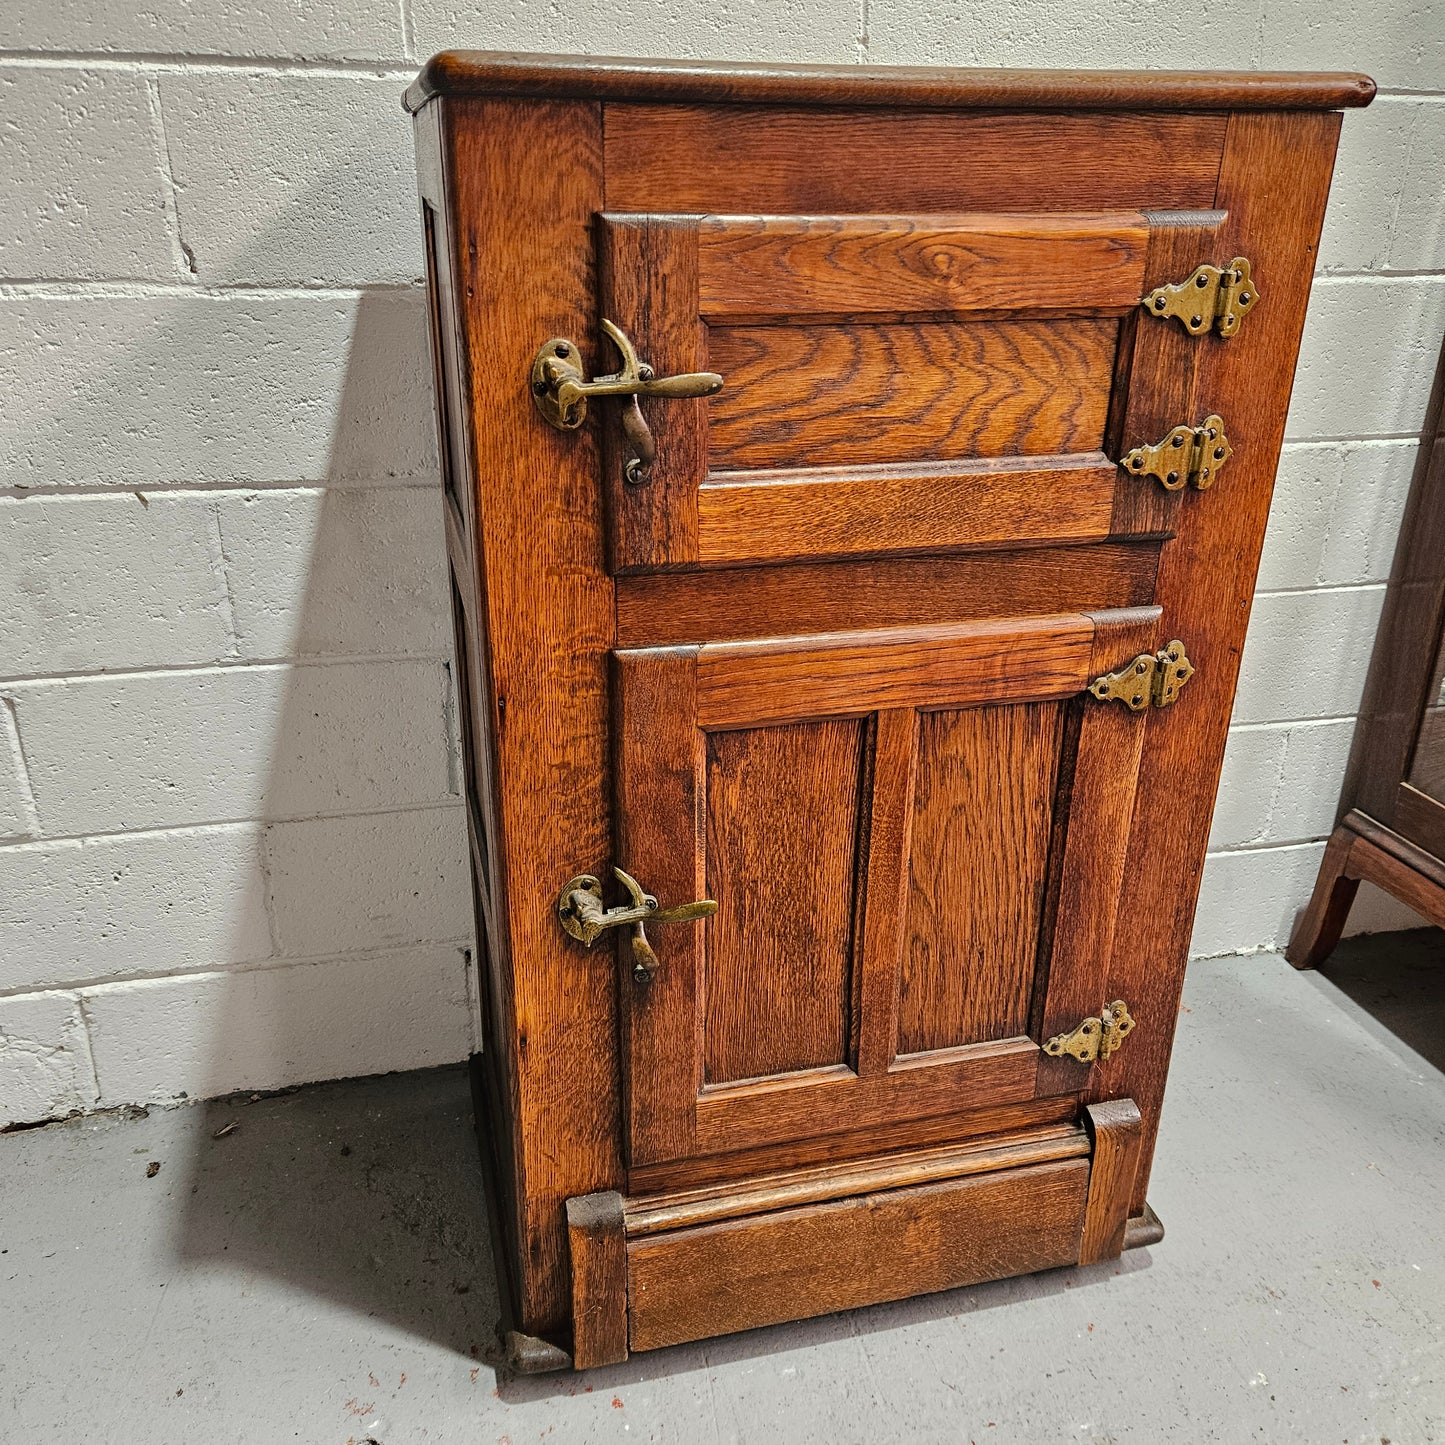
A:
911	648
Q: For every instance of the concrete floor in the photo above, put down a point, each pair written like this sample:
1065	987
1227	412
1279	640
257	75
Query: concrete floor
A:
320	1273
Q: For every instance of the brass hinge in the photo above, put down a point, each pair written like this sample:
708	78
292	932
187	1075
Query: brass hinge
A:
1152	678
1192	454
1095	1038
1212	298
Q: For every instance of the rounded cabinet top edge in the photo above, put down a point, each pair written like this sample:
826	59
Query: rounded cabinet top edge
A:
577	77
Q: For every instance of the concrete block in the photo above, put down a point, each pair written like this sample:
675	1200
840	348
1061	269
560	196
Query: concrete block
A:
156	750
1249	900
110	582
336	571
1368	357
1306	654
85	193
1253	761
1106	33
1417	239
237	389
1313	771
1370	168
1336	514
17	810
1402	45
144	904
319	29
688	29
213	1033
294	179
45	1068
344	884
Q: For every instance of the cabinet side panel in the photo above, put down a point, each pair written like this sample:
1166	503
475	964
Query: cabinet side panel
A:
522	236
1273	183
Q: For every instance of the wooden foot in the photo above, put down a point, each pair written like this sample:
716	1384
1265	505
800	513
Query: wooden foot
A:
599	1279
1117	1132
1323	921
1362	849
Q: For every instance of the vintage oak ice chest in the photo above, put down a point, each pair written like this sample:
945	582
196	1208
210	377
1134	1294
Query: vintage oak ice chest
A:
854	483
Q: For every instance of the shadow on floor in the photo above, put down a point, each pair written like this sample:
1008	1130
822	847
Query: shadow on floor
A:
1399	980
366	1193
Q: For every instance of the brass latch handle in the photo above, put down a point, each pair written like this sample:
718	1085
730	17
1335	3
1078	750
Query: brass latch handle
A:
583	916
561	390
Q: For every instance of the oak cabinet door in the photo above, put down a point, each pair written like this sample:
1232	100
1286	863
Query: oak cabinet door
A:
895	384
916	839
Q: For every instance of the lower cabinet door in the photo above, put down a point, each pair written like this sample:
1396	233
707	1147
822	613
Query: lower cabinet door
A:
915	838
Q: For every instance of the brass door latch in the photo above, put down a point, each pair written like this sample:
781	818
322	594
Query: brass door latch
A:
1192	454
1153	678
1095	1038
583	916
561	390
1213	298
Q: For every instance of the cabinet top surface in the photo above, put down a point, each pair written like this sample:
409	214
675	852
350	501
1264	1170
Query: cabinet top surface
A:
576	77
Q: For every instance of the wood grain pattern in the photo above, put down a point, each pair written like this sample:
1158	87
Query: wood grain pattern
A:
493	72
823	1257
889	846
784	601
1158	364
857	265
648	287
979	861
779	516
777	159
833	395
1273	183
873	1142
1420	818
660	780
804	1105
686	1208
850	673
598	1252
782	820
1093	815
1116	1131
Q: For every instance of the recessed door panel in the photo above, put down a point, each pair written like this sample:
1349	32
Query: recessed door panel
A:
782	826
983	810
886	820
893	384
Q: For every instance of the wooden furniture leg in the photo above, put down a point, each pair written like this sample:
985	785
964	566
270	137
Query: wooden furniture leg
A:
1117	1131
1323	921
599	1279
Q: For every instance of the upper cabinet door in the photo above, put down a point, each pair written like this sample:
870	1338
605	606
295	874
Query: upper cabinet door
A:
896	383
916	839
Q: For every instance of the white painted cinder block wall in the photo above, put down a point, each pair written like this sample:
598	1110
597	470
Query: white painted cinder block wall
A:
232	848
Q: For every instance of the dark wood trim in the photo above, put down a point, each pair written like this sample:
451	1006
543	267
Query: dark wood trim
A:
499	73
1117	1131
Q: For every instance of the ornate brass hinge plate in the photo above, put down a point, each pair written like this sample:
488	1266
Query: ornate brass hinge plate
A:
1095	1038
1213	298
1192	454
1153	678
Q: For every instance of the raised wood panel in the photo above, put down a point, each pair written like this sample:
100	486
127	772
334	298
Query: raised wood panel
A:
792	1263
716	159
782	515
742	684
783	266
815	396
804	597
782	834
804	1105
983	807
685	1208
